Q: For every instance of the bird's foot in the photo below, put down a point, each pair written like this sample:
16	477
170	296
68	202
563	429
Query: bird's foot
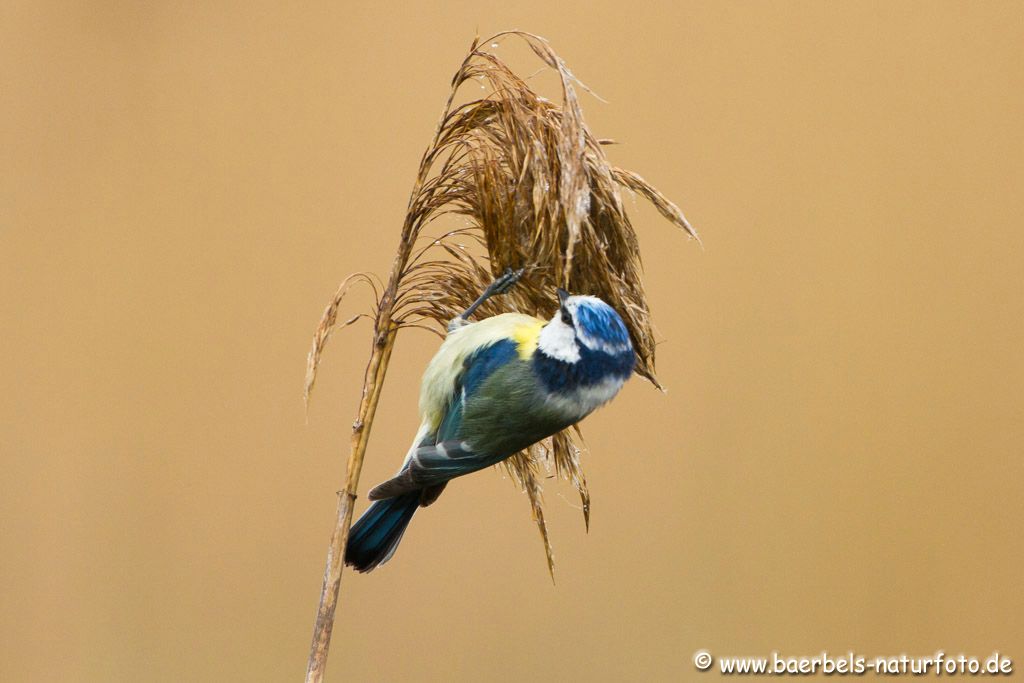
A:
500	286
506	281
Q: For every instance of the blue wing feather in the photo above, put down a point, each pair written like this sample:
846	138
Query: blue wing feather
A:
480	365
451	422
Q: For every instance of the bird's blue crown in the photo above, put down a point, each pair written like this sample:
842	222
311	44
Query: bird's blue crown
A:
599	321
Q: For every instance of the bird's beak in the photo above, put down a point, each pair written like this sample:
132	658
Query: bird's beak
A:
562	296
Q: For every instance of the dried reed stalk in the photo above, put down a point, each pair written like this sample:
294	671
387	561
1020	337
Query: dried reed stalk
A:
534	189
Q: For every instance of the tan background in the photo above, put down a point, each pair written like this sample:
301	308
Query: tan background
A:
837	464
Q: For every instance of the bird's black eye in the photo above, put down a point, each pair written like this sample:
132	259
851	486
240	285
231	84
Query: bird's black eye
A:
566	318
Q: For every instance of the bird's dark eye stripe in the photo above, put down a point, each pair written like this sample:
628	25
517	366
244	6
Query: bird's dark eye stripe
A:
566	318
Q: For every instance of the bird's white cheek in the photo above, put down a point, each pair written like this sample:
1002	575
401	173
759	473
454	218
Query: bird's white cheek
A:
558	340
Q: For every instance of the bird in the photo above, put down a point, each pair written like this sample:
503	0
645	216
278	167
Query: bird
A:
496	386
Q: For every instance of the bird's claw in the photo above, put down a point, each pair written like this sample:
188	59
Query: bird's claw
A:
507	280
501	285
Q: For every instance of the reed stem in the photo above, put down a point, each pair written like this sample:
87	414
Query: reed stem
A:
373	382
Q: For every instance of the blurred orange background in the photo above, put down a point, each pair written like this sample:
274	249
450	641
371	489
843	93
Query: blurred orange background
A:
837	464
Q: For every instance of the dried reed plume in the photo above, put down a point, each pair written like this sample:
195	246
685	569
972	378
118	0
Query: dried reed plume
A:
533	189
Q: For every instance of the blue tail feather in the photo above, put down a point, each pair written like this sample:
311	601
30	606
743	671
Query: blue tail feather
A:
375	536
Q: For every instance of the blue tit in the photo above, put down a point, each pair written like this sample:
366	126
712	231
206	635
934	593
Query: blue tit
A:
494	388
